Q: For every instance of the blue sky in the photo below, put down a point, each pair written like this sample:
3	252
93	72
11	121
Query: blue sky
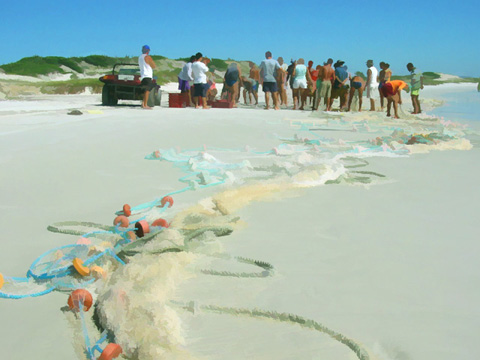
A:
436	35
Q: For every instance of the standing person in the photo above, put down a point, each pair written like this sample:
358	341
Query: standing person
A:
391	90
268	72
326	74
416	85
384	76
283	81
357	85
185	78
300	78
146	64
200	70
371	83
340	86
290	70
255	76
232	82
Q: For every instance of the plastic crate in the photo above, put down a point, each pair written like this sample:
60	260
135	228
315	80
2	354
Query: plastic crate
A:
177	100
224	104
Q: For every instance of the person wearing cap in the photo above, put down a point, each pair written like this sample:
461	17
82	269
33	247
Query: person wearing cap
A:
416	85
371	83
383	76
200	85
268	72
340	86
392	91
326	75
146	64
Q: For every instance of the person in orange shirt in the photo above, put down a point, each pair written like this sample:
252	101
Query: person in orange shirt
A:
391	90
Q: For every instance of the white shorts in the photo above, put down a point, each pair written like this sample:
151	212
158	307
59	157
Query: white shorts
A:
300	83
372	91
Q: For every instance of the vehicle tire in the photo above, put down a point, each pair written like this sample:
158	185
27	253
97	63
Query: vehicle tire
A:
108	96
105	95
151	98
158	98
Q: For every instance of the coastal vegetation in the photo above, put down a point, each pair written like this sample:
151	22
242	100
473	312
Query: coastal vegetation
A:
70	75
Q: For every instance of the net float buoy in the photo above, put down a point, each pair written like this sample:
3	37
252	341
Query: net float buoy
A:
166	199
161	222
127	210
78	297
111	351
122	220
2	281
131	236
98	272
83	241
141	228
81	269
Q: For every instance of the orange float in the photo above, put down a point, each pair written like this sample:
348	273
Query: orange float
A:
98	272
127	210
131	235
111	351
161	222
157	154
166	199
141	228
81	269
80	296
1	281
122	220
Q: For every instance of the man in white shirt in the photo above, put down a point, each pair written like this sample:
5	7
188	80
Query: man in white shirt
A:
146	64
200	70
185	78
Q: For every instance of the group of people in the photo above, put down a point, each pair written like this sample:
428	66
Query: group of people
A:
328	82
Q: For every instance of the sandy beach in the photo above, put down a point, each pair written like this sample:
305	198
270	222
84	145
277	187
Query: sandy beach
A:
378	246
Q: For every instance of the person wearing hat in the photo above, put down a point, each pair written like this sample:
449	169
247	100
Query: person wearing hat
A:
340	86
371	83
146	64
392	91
326	74
416	85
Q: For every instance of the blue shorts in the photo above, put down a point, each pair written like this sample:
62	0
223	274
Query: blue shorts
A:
200	90
230	82
270	87
356	84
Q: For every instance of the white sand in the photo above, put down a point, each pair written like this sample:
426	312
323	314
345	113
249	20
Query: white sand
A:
392	265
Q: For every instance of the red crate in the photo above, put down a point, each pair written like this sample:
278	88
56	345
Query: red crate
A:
177	100
224	104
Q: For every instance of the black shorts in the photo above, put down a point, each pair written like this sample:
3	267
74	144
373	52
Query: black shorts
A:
147	84
270	87
200	90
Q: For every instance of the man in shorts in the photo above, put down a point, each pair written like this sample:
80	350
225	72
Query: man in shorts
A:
416	85
392	91
282	81
340	87
232	82
200	69
371	83
324	84
357	85
185	78
268	72
146	64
